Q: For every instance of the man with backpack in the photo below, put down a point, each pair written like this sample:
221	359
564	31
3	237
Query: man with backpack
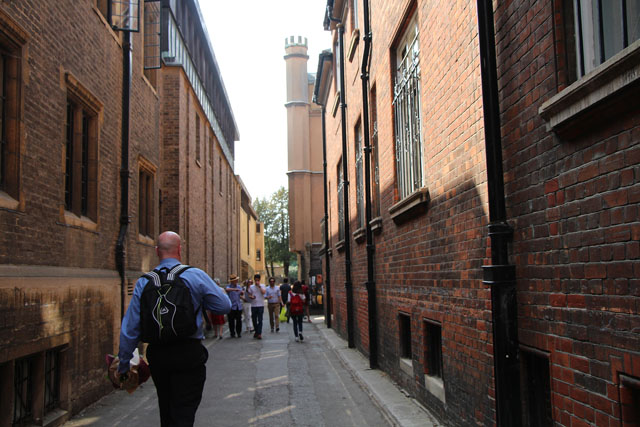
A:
166	311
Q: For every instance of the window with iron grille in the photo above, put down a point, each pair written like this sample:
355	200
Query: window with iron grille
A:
146	210
51	380
23	390
359	177
375	175
10	90
602	29
340	201
405	336
151	40
406	105
337	55
198	147
81	169
433	349
258	255
536	389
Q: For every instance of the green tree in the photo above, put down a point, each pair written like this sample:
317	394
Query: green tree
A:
274	214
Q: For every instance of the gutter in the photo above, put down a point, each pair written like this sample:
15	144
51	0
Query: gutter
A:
124	167
500	275
370	284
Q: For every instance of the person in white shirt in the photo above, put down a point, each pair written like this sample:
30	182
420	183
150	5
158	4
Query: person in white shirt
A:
256	293
274	302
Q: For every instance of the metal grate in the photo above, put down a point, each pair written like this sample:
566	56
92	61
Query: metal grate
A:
340	201
23	391
152	31
51	380
359	178
406	103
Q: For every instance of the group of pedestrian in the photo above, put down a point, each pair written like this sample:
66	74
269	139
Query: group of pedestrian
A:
248	301
169	309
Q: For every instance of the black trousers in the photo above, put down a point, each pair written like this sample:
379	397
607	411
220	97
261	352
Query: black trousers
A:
179	373
235	322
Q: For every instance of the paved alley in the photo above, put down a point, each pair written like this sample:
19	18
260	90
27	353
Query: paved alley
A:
273	381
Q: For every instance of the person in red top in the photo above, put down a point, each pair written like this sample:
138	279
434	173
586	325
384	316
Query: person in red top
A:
296	304
305	291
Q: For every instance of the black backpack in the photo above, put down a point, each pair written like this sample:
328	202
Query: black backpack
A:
167	314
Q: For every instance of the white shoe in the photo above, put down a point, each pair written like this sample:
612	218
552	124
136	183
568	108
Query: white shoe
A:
297	339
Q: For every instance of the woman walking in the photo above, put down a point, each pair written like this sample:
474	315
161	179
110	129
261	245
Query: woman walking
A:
296	309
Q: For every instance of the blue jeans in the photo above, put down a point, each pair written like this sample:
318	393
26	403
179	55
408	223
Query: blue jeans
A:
256	318
297	323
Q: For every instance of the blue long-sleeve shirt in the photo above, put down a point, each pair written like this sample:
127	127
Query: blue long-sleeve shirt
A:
204	293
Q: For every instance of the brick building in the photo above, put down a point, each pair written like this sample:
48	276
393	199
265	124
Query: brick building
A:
83	195
304	159
525	313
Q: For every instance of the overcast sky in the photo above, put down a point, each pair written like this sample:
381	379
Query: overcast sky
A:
248	38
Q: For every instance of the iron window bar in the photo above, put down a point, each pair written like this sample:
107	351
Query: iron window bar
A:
23	390
68	175
359	178
152	30
406	104
340	202
51	380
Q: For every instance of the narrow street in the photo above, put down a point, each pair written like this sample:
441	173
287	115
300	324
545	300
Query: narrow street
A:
273	381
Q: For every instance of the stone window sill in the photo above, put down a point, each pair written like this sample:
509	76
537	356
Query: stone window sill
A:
340	245
336	102
411	206
406	366
360	234
435	386
83	222
145	240
614	83
8	202
355	38
376	224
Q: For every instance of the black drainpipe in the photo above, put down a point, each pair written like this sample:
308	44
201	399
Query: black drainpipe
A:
345	172
371	284
124	167
500	276
327	279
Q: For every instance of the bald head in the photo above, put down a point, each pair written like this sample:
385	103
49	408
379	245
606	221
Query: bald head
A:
168	245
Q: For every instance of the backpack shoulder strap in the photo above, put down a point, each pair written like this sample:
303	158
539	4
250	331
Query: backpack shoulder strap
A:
153	277
176	271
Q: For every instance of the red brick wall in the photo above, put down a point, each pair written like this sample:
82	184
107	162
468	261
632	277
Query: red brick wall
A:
574	204
429	266
65	289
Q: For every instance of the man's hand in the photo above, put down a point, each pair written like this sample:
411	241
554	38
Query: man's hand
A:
123	378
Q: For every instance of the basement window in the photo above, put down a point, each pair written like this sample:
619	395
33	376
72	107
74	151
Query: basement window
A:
23	390
433	359
535	388
406	356
630	400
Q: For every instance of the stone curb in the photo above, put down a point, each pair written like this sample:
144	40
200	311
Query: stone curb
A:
400	409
